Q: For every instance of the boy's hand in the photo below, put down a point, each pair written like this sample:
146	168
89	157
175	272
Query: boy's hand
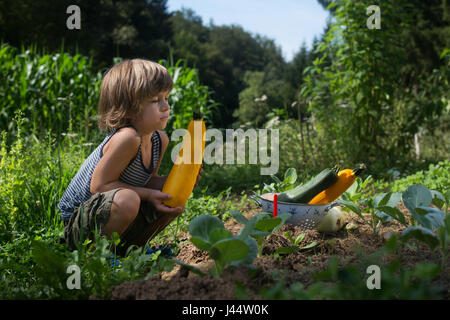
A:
156	198
199	177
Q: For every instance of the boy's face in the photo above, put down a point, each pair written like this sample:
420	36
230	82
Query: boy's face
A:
155	113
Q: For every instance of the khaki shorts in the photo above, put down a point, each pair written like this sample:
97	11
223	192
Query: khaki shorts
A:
93	214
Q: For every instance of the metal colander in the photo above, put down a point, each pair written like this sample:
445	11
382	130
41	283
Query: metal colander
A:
305	215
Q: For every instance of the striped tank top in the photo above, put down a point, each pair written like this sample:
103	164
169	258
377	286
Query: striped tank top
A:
135	174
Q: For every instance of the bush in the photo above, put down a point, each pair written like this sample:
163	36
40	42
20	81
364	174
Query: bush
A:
34	174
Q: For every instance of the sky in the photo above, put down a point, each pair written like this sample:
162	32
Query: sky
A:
287	22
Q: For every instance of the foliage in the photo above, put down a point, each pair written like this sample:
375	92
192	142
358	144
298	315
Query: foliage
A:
260	226
28	200
209	234
427	224
187	95
360	98
108	28
36	267
349	281
295	245
435	177
223	54
434	224
374	205
262	98
198	204
56	92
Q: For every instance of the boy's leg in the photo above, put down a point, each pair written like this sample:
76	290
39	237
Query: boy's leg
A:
124	209
146	226
94	214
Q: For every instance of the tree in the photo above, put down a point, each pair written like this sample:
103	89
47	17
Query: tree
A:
364	107
108	28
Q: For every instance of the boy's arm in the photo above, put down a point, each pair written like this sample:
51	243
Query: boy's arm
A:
157	182
123	147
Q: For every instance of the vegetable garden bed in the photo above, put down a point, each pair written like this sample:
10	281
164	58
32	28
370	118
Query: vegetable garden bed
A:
406	271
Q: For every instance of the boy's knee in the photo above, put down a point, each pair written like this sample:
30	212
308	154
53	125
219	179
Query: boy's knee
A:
127	203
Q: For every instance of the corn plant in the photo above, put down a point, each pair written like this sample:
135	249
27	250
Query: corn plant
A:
56	92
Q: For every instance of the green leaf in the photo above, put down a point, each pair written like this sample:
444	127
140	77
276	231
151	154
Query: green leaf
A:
287	235
267	225
393	212
115	238
438	199
300	238
190	268
199	243
290	176
350	205
366	182
247	230
309	246
239	217
219	234
201	226
287	250
447	196
434	217
422	234
387	199
417	196
444	53
359	97
251	255
274	177
228	250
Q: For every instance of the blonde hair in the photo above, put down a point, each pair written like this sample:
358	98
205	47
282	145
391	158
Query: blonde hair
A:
125	86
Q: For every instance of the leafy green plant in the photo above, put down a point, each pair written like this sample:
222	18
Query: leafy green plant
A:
199	203
294	247
208	233
349	282
433	224
260	226
29	201
435	177
98	273
288	182
376	207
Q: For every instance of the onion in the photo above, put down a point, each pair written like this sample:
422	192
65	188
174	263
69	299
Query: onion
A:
334	220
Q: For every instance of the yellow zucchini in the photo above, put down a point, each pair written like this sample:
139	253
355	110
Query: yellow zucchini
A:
183	175
345	179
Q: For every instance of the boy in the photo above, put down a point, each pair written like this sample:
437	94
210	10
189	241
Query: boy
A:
118	187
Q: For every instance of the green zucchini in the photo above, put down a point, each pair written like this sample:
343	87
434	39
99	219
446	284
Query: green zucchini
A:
306	192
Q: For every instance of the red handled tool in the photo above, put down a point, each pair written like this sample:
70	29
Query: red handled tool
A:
275	205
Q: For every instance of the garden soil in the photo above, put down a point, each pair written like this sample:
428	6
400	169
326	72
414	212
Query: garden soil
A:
181	284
